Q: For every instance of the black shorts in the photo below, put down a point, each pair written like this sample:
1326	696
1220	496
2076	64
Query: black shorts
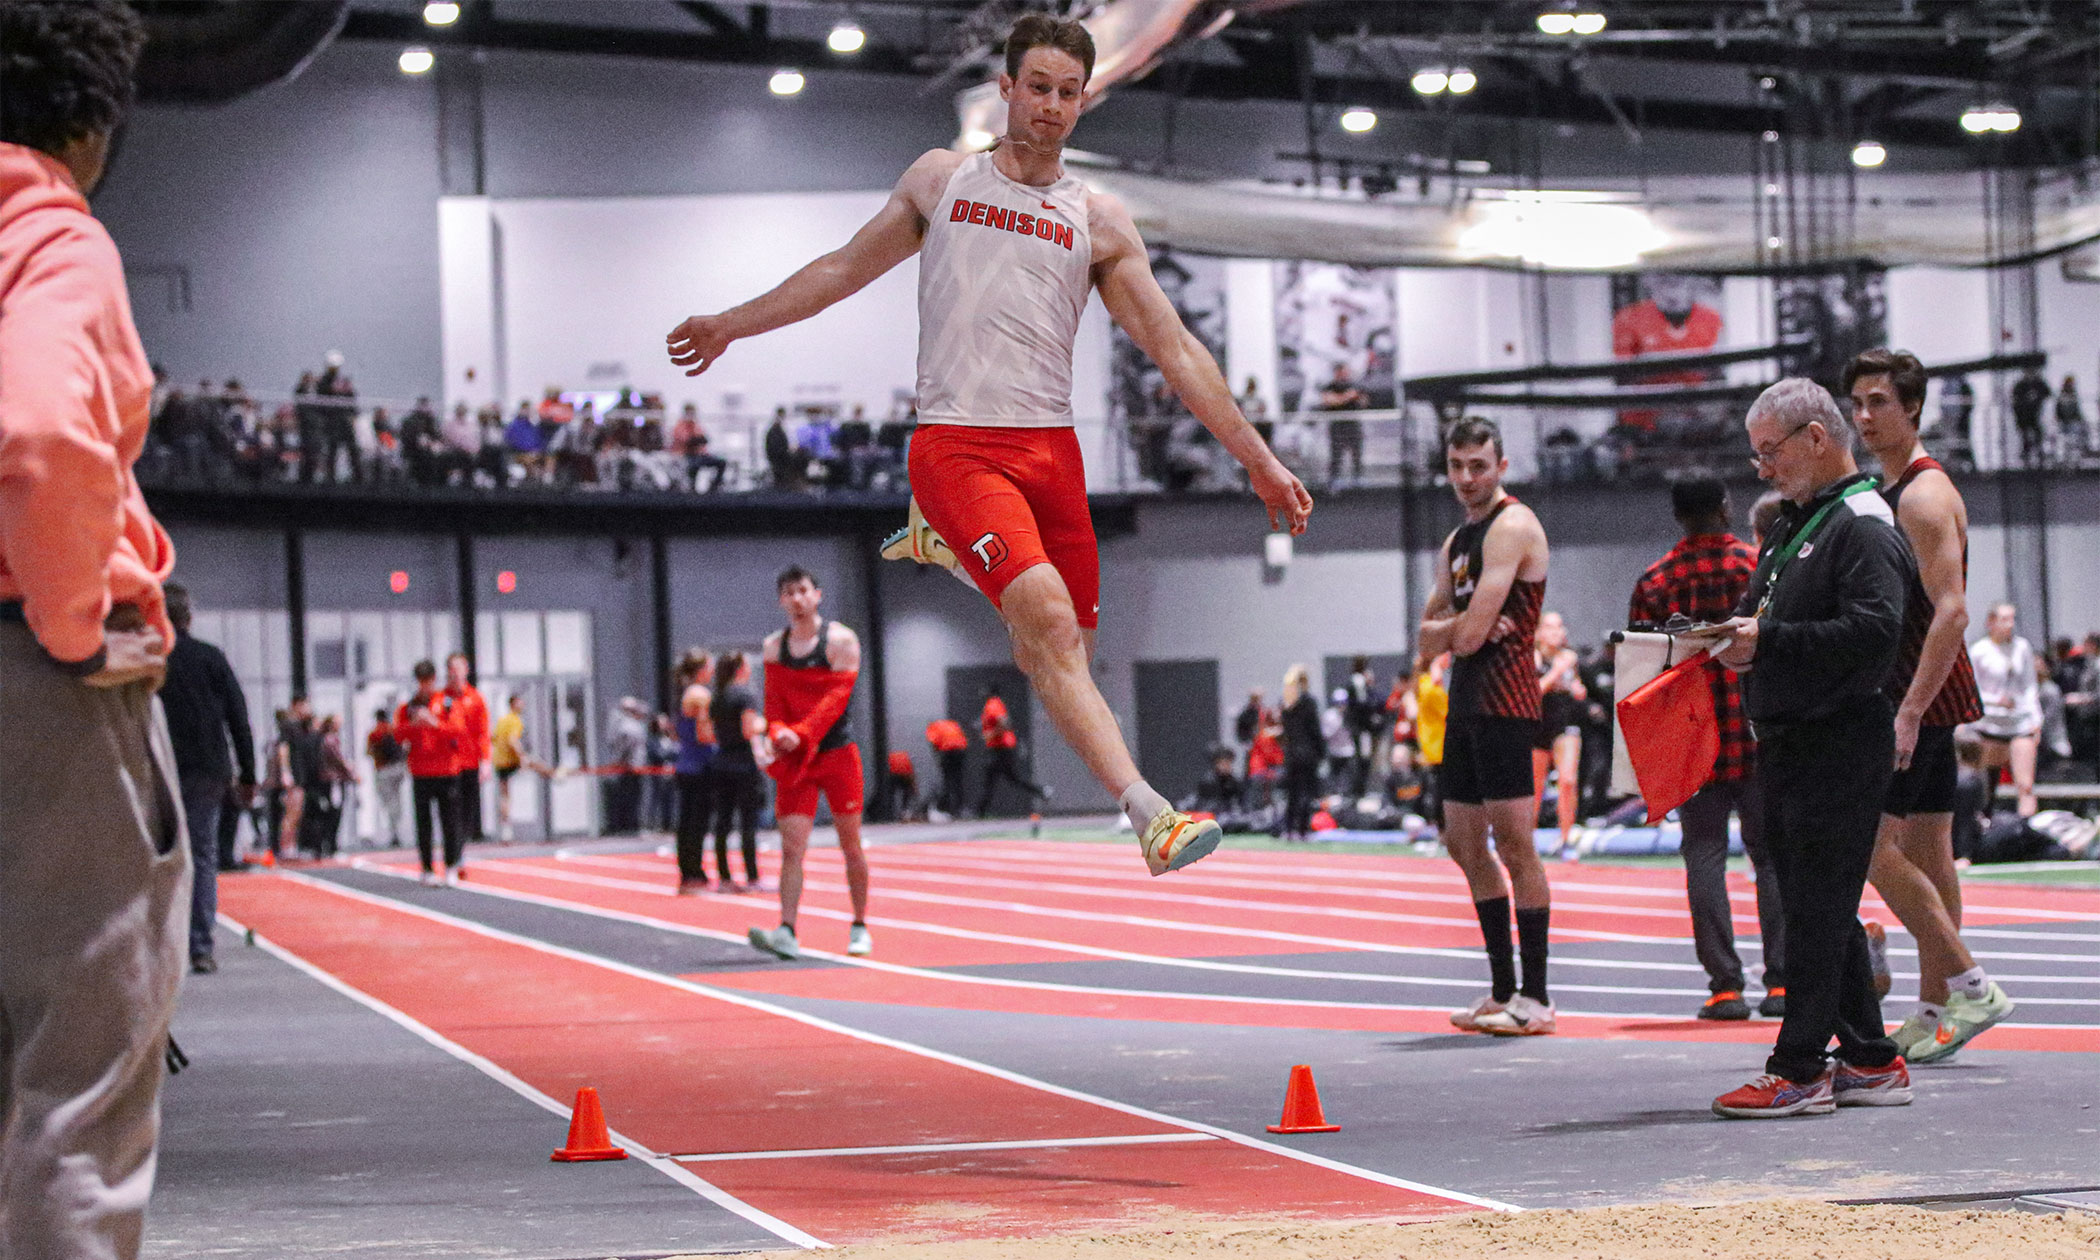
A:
1927	787
504	772
1487	759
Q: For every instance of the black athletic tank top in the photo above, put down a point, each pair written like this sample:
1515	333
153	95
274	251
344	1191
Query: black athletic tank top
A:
819	657
1501	679
1958	700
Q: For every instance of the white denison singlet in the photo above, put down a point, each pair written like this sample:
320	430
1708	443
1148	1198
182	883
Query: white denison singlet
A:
1003	277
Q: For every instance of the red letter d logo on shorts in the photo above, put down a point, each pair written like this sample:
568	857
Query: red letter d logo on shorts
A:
991	551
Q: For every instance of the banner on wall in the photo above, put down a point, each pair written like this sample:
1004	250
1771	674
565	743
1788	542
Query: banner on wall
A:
1841	312
1171	447
1662	312
1336	332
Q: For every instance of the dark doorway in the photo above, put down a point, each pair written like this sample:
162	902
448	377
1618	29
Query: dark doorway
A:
1177	722
967	687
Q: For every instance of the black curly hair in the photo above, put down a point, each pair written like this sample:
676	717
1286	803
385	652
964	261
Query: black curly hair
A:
65	69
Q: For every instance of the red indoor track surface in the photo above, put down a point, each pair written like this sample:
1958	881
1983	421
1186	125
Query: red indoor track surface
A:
947	905
687	1073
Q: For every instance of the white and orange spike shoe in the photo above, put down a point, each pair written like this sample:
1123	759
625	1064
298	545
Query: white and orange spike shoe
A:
918	543
1173	839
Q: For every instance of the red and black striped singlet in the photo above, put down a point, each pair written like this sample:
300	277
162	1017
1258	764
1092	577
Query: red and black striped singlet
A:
1501	679
1958	700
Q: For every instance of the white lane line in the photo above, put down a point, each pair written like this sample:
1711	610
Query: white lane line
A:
938	1148
1005	982
748	1002
1347	877
714	1194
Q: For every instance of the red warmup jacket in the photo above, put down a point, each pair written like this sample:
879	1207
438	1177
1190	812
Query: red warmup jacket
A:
433	751
474	727
808	702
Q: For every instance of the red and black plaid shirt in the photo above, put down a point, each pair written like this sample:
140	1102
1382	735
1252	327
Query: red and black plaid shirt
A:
1704	577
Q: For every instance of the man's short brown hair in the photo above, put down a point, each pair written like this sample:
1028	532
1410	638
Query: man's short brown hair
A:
1906	375
1471	432
1040	30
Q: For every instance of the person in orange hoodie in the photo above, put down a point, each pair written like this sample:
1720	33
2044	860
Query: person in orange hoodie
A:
473	743
94	854
429	727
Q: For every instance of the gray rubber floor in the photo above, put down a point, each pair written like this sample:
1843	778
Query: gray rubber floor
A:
308	1125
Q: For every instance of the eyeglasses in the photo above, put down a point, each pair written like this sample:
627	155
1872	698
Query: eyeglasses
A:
1765	455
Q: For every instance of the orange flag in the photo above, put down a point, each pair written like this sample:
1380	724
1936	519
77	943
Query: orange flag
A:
1672	737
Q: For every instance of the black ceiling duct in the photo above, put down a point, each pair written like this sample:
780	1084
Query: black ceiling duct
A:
208	52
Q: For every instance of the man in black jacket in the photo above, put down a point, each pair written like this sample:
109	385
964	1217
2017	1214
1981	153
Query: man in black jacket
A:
205	711
1814	643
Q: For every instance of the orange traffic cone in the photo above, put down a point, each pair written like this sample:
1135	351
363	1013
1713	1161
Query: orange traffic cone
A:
1301	1106
268	858
587	1136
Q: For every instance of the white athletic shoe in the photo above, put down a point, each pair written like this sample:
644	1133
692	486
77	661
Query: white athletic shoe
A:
429	879
1468	1019
858	943
780	942
455	877
1521	1017
1173	839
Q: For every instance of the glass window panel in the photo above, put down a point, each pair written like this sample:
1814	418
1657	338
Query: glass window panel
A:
522	657
485	647
368	647
568	643
277	646
444	637
409	636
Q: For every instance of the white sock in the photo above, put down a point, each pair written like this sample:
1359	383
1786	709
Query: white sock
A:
1929	1012
1971	983
1141	805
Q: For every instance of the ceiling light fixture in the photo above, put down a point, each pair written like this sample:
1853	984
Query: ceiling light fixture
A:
1995	116
1566	19
1430	82
1462	81
785	82
846	38
1358	120
417	60
1868	154
440	13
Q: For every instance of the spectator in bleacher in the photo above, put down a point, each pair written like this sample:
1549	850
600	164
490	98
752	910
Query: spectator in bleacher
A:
462	436
894	437
492	460
1345	437
337	404
422	446
855	443
788	462
522	438
1256	409
689	442
207	716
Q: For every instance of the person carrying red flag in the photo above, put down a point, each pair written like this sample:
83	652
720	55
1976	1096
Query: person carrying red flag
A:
1703	578
1819	631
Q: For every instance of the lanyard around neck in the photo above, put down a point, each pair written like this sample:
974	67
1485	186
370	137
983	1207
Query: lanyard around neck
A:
1779	558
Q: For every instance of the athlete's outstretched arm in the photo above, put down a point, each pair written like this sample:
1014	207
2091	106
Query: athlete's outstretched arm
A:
892	236
1123	274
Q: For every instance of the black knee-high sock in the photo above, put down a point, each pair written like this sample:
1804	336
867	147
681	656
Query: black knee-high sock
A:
1531	945
1494	931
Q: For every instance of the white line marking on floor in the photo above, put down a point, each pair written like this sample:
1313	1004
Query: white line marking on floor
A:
1006	982
721	1198
748	1002
936	1148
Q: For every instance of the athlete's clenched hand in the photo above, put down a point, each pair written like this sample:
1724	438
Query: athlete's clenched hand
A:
1282	493
698	342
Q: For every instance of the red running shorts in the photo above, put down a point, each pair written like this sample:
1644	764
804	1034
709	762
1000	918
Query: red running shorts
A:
836	774
1006	500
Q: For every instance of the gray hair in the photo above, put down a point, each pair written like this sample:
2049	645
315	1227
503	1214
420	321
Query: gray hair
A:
1797	401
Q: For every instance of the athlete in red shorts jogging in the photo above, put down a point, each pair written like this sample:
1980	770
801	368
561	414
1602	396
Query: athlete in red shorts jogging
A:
811	669
1010	247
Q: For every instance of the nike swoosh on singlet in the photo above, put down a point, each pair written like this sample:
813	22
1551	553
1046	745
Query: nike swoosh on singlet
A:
1048	206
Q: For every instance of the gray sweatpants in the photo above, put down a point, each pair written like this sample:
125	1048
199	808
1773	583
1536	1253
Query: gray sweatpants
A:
1705	851
94	910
